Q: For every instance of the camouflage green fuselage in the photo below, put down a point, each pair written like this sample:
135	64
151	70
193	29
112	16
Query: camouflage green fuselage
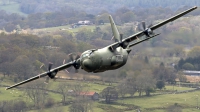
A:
103	59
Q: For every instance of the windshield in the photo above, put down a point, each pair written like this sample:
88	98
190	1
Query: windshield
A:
86	53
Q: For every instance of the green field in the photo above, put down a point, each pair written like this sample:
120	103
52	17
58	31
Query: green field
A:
187	100
157	103
67	28
12	8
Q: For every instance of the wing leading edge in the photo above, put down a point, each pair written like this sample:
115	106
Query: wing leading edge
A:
153	27
55	70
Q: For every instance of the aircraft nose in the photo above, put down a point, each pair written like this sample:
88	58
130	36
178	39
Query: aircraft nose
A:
87	65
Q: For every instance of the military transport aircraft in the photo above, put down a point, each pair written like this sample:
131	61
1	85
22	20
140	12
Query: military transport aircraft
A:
110	57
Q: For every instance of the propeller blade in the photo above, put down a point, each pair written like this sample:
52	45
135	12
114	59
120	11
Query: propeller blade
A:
63	61
143	25
50	65
41	65
77	57
112	37
66	71
71	57
74	61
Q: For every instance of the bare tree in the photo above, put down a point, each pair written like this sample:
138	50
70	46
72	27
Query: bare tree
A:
12	106
35	91
63	90
182	77
122	88
131	84
127	86
82	104
2	106
77	88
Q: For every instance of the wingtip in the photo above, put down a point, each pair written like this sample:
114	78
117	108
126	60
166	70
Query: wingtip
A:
195	7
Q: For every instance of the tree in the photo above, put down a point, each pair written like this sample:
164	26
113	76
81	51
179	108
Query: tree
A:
128	17
63	90
67	46
194	52
12	105
182	77
81	104
131	84
180	64
160	84
110	94
176	51
77	88
122	10
6	68
179	51
188	66
3	106
122	88
127	86
145	82
22	67
35	91
103	18
164	74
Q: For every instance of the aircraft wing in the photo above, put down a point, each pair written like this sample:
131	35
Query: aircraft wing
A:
48	73
153	27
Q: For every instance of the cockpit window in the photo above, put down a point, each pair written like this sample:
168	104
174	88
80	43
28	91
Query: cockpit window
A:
86	53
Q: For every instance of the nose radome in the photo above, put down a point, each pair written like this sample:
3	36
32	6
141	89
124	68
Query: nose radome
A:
87	64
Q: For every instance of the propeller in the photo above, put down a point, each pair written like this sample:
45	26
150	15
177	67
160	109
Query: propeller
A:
146	30
65	69
75	61
120	43
51	75
51	72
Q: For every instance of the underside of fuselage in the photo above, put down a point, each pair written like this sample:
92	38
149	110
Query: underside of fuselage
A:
104	59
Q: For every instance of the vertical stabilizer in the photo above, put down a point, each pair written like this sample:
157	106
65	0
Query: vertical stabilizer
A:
114	29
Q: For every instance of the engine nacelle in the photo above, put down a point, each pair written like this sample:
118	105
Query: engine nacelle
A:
52	74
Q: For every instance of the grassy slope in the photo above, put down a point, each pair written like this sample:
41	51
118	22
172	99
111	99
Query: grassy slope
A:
12	8
186	100
67	28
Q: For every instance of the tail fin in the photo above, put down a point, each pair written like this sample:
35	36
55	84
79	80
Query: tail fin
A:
114	29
